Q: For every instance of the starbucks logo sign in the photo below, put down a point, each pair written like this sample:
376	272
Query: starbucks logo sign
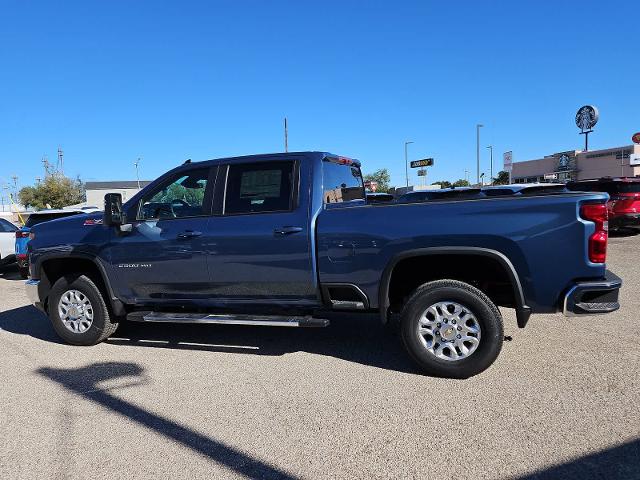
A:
587	117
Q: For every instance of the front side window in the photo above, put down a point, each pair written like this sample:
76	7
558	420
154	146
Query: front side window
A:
342	183
182	196
259	187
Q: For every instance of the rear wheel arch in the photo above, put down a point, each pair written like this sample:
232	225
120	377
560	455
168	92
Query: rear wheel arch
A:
436	256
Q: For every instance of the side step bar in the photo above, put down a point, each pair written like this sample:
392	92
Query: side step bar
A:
229	319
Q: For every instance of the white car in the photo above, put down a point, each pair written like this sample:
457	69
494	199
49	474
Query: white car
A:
7	242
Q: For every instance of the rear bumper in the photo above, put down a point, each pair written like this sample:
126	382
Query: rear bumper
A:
593	296
23	260
624	220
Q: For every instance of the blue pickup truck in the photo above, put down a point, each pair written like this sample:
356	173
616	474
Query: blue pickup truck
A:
282	239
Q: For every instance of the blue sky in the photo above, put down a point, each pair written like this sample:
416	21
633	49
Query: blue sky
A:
112	81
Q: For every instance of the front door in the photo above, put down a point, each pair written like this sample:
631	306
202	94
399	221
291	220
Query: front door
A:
164	257
261	245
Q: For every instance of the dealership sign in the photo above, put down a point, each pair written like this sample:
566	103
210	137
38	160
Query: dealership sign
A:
425	162
507	158
636	138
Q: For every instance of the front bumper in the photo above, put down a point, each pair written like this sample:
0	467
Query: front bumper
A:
31	287
593	296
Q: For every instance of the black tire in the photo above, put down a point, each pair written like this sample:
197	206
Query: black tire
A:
102	325
486	313
24	272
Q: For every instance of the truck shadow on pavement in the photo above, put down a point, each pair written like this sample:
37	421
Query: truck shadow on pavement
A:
85	383
617	463
358	339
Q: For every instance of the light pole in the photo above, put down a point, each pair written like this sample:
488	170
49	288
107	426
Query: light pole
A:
478	127
490	147
406	164
137	176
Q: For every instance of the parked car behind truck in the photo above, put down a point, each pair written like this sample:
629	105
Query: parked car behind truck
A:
282	239
624	198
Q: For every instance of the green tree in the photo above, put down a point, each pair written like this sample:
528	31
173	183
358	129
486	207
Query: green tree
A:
56	191
501	179
443	183
461	183
381	177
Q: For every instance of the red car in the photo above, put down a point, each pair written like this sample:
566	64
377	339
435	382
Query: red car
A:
624	201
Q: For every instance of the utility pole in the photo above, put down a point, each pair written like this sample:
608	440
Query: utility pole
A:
46	165
490	147
15	185
60	166
406	164
286	136
136	163
478	127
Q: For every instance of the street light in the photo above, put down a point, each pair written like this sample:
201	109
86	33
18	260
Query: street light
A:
136	163
490	147
406	164
478	127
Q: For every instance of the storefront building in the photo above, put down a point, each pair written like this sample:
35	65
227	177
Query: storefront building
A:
579	165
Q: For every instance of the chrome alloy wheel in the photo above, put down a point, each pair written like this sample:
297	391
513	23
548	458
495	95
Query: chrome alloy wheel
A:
449	331
76	311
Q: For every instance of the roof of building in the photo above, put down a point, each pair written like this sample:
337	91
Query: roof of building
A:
117	184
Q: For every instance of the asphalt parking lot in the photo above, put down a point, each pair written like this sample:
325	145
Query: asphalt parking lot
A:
161	401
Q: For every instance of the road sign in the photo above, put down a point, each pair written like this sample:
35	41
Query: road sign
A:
550	176
507	158
422	172
425	162
636	138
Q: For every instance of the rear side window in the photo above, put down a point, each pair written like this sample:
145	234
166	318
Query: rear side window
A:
342	183
35	219
259	188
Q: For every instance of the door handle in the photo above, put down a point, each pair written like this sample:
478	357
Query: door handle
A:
188	234
281	231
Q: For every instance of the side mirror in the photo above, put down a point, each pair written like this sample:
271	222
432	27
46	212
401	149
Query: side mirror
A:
112	210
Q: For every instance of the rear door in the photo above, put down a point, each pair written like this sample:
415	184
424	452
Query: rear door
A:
261	234
164	257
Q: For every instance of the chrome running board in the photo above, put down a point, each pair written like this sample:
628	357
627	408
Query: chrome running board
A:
229	319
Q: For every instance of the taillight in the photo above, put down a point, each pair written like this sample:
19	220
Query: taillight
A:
598	214
21	234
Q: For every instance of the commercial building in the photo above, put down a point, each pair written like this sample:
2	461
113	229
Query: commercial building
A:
579	165
97	190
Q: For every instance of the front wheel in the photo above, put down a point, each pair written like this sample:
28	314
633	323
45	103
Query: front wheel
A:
78	312
24	272
451	329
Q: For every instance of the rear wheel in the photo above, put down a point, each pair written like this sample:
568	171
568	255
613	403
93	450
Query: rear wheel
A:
451	329
78	312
